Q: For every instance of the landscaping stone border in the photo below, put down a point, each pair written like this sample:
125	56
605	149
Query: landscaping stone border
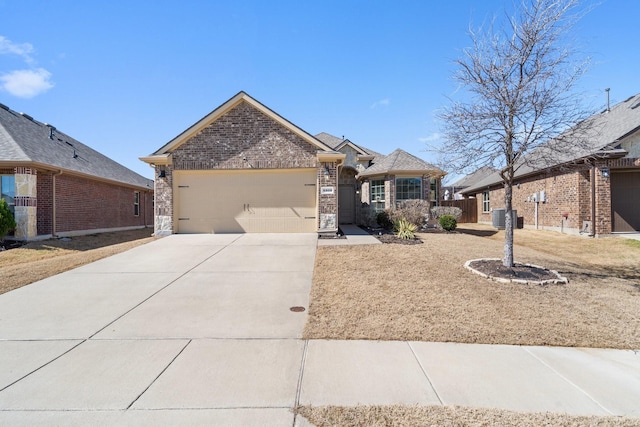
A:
560	279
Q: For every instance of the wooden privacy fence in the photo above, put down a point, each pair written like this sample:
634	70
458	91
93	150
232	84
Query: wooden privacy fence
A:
469	208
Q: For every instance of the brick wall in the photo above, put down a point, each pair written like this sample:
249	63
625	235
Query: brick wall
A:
244	138
328	203
45	203
83	204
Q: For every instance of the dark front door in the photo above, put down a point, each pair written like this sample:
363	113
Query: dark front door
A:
347	204
625	201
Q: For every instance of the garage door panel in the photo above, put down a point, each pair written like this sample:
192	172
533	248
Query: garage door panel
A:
245	201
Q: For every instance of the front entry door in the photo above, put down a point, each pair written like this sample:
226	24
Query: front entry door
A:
347	204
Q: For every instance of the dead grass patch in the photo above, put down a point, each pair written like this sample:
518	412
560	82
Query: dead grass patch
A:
39	260
423	292
388	416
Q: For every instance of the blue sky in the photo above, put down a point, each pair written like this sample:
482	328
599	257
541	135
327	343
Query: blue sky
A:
125	77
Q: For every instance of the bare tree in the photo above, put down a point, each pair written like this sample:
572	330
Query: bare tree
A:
519	84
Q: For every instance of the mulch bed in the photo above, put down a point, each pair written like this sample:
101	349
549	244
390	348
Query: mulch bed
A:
495	269
386	236
8	244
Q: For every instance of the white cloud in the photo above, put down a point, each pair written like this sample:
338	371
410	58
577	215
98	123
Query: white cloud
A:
23	83
26	83
21	49
382	103
434	137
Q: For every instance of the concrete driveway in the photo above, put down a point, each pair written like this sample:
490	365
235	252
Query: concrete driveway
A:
144	337
197	330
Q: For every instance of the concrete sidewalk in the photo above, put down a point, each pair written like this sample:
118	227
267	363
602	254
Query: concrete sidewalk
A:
354	235
197	330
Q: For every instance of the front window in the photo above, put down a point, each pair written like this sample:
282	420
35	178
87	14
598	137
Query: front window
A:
377	195
485	202
136	203
408	189
8	191
433	190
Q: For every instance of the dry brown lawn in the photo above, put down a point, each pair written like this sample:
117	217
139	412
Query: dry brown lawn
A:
448	416
39	260
423	292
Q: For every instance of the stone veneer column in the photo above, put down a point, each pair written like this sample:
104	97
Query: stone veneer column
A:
328	202
26	206
163	222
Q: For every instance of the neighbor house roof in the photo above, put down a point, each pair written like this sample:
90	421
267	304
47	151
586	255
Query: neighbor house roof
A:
601	137
472	178
28	142
400	162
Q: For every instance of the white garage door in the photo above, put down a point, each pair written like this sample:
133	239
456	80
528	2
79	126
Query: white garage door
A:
282	201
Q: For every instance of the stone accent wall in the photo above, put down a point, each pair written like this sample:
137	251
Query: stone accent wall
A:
26	203
327	203
244	138
390	191
163	222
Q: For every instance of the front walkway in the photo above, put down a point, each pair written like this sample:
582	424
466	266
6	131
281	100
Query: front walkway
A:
198	330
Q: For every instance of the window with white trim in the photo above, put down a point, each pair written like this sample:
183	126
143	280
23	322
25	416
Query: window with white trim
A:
408	189
486	207
377	195
136	203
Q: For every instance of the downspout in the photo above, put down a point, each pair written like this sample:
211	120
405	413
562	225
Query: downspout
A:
53	202
593	201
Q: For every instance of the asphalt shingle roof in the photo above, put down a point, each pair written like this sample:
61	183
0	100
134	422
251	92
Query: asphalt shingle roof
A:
25	140
604	132
400	161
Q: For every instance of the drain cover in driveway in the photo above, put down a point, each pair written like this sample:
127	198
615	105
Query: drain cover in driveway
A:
297	309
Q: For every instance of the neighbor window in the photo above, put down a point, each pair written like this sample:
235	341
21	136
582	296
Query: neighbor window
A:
485	202
408	188
377	194
136	203
8	190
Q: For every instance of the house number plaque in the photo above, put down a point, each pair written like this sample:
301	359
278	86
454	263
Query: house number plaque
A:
327	190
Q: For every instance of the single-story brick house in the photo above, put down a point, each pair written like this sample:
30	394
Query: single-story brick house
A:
596	192
57	186
244	168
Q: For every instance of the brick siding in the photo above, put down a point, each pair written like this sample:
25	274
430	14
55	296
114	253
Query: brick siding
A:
45	203
84	204
244	138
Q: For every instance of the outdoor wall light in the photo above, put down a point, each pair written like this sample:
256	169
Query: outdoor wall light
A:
162	174
604	172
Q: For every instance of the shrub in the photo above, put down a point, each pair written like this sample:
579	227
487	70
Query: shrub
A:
6	219
415	211
404	229
439	211
384	220
367	216
448	222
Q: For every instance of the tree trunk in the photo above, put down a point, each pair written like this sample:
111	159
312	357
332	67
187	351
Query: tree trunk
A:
508	226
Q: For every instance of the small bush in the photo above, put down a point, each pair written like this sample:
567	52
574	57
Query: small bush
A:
414	211
367	216
6	219
384	220
448	222
404	229
438	211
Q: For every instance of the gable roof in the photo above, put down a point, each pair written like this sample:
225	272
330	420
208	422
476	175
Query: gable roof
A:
221	110
473	177
28	142
603	134
337	143
401	162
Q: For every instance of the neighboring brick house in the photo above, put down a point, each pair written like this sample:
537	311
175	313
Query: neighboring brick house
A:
57	186
244	168
595	193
